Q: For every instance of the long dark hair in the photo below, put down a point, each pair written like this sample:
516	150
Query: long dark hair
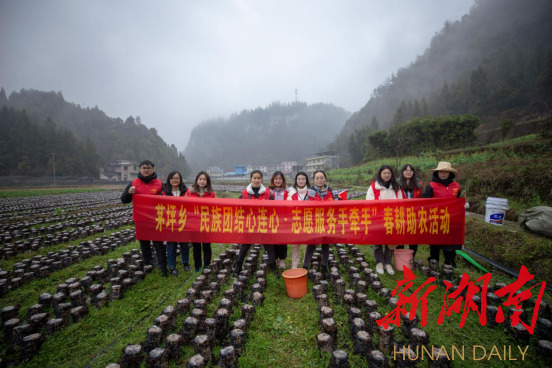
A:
306	177
393	181
208	187
414	182
181	187
280	174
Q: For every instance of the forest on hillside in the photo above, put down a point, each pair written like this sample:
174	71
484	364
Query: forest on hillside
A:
279	132
494	63
113	138
32	148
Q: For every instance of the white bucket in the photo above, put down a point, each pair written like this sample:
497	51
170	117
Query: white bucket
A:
495	210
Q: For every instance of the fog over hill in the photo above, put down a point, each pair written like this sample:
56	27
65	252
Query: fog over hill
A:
496	63
270	135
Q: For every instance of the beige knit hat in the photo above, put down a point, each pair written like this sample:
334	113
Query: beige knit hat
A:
445	166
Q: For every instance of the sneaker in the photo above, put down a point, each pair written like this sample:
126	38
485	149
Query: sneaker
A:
389	269
379	268
187	268
276	273
164	273
282	264
174	272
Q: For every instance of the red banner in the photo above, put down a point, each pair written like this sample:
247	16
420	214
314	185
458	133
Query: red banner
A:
223	220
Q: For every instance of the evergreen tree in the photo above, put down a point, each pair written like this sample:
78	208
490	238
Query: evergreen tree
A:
479	91
374	124
3	98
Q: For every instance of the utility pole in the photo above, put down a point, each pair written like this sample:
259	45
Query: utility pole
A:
296	91
54	165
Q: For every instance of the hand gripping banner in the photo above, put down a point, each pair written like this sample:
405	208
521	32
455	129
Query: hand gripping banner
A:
223	220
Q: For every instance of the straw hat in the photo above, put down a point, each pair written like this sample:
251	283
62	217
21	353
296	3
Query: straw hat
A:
445	166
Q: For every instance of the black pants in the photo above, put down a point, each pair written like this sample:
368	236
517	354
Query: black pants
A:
269	249
280	251
448	251
160	253
207	252
310	251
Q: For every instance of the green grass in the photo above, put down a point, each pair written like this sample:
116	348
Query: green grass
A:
363	174
529	138
283	331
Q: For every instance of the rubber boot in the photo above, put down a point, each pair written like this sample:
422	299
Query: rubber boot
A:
274	269
238	268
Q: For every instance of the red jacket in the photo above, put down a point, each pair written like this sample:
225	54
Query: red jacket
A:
286	194
141	187
189	193
295	197
314	196
441	191
265	195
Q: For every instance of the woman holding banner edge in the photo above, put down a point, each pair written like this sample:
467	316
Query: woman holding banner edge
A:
320	191
384	187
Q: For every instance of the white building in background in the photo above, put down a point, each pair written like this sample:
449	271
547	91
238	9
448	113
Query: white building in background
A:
286	167
120	170
321	161
261	168
215	172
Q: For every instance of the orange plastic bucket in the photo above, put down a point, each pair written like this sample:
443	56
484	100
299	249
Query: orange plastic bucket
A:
296	282
404	257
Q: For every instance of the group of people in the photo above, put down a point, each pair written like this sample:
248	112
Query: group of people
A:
408	186
147	182
385	186
278	190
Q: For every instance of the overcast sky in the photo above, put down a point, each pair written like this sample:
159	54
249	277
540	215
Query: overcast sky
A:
177	63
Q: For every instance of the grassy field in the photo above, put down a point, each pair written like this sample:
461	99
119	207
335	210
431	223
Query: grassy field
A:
283	331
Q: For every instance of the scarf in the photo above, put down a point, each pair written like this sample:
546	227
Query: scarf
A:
278	193
302	192
321	192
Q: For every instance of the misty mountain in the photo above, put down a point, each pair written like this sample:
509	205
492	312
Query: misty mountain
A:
279	132
113	138
32	148
496	63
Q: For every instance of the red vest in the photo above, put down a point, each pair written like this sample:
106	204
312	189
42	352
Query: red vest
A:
153	187
205	194
377	191
440	191
417	193
246	195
